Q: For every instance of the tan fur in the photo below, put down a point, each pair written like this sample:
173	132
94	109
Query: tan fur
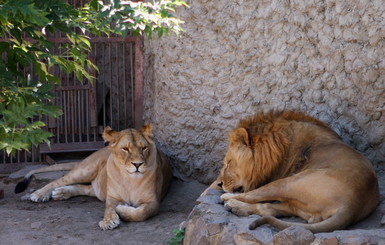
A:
131	192
291	164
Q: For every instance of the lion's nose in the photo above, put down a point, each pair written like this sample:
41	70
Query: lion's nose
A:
137	165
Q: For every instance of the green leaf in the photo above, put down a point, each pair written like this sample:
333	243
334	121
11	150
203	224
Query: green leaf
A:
3	47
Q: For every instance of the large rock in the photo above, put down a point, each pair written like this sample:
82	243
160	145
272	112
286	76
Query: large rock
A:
294	235
210	223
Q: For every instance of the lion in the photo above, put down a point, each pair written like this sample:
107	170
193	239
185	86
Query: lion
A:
286	163
131	175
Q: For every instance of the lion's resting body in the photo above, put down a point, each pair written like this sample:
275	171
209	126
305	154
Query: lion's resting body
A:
291	164
130	175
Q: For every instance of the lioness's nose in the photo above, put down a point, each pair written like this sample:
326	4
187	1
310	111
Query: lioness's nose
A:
137	164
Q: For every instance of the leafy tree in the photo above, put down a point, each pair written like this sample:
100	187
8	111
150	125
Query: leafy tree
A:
26	50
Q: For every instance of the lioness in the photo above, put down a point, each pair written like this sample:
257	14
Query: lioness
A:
130	175
285	163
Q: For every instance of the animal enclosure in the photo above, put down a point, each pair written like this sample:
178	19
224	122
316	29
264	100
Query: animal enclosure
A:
114	98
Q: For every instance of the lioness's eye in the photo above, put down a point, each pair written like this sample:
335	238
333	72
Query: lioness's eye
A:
125	149
144	148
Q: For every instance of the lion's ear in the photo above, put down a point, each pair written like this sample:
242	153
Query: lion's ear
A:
239	136
147	130
110	135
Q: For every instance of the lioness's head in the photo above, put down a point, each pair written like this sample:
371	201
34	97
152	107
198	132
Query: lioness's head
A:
132	148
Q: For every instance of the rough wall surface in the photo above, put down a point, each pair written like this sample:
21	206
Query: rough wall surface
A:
324	57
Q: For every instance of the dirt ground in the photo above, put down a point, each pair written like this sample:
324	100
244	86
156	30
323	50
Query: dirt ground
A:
75	221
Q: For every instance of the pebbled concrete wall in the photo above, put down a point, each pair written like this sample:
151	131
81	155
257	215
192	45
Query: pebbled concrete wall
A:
324	57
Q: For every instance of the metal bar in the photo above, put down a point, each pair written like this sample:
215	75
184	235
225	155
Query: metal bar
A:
104	92
92	101
72	107
80	119
93	46
117	83
132	83
87	118
111	88
59	120
124	86
138	89
65	109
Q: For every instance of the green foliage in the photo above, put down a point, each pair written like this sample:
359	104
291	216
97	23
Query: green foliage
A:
136	17
26	51
178	237
19	105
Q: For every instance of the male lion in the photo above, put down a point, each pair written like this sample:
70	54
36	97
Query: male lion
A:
130	175
289	164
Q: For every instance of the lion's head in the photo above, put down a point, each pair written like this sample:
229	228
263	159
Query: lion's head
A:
256	147
132	148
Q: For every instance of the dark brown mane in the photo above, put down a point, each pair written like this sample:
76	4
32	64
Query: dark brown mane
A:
262	122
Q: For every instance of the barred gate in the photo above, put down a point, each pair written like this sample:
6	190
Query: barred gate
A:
115	99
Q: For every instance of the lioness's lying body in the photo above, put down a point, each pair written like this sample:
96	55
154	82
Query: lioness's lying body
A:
291	164
130	175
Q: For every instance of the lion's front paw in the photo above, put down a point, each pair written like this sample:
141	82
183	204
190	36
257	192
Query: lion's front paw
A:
227	196
110	222
237	207
40	196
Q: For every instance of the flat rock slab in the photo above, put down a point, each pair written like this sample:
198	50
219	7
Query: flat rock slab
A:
40	176
210	223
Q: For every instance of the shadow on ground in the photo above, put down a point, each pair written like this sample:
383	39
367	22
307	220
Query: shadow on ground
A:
75	221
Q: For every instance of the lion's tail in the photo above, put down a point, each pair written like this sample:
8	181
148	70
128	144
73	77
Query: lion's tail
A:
336	222
22	185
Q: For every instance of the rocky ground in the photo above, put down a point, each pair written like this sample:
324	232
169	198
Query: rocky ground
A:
75	221
210	223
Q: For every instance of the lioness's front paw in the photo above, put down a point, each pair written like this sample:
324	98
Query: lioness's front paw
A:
129	213
40	196
227	196
237	207
110	222
62	193
125	210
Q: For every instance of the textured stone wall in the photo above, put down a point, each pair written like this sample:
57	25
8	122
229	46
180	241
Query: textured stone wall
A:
324	57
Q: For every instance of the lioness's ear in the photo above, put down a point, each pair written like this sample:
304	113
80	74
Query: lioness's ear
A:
110	135
147	130
239	136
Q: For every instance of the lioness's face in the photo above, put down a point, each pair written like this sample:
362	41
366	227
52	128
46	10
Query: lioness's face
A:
131	148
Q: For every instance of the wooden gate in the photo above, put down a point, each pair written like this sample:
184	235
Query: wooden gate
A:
114	99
